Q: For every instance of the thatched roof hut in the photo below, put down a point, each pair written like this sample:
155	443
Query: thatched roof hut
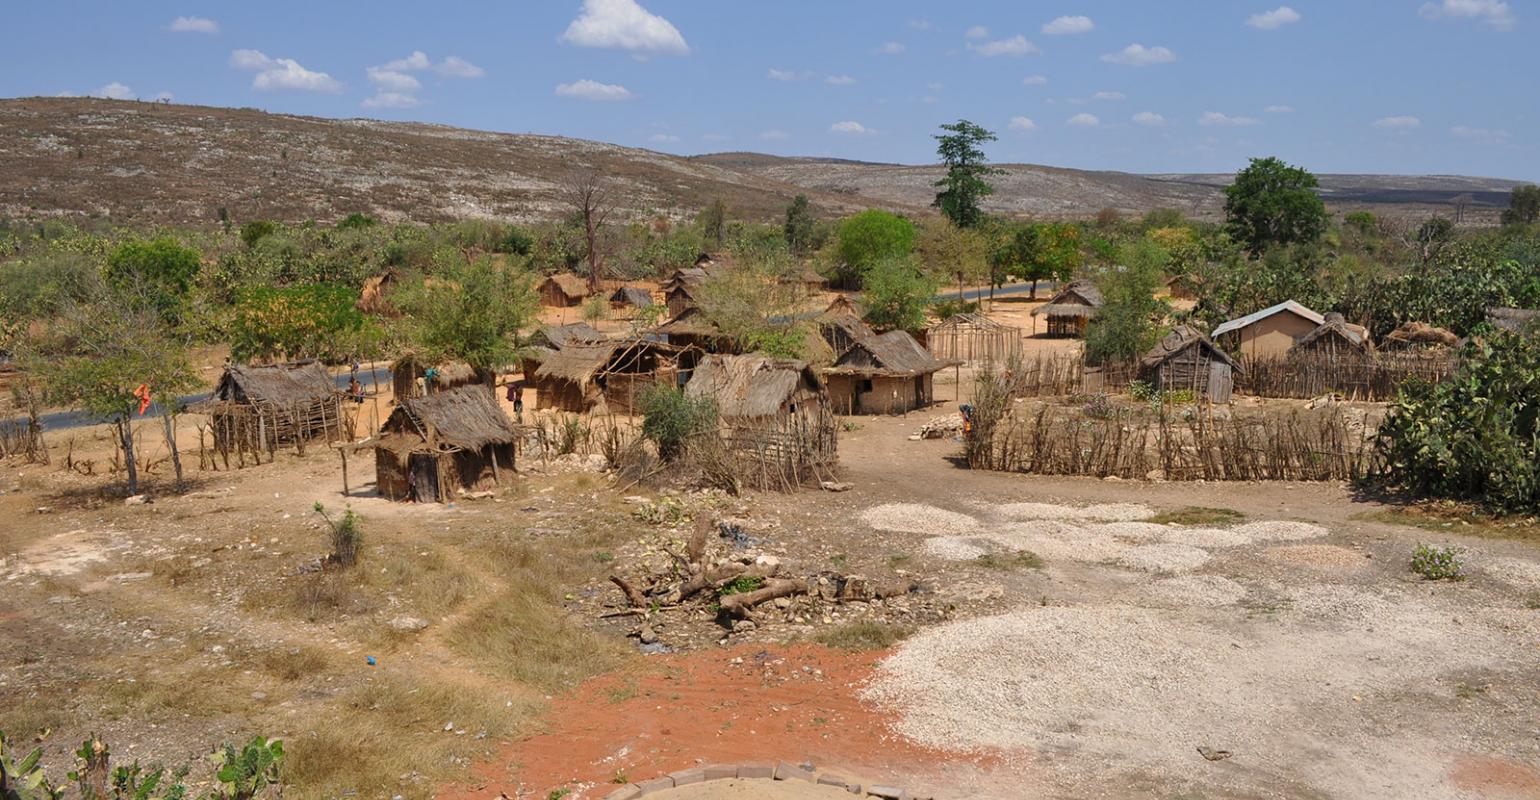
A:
1186	359
556	337
563	290
1419	336
1517	320
581	375
630	297
847	305
886	374
434	445
1071	309
1335	336
775	414
259	407
842	331
691	328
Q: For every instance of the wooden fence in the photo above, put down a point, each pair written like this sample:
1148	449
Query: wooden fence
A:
974	344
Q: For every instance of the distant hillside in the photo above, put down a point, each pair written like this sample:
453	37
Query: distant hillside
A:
152	163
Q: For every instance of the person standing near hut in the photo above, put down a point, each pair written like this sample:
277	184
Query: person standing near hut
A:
516	396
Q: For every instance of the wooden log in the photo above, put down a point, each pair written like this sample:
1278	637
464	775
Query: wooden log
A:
739	605
705	578
633	595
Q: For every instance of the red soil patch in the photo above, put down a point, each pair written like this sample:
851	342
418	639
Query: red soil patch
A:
739	705
1488	776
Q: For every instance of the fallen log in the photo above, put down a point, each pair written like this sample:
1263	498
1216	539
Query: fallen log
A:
739	605
695	550
707	578
634	597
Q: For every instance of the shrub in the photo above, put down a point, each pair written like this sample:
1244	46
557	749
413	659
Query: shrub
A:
897	294
671	419
346	538
249	773
863	636
1438	563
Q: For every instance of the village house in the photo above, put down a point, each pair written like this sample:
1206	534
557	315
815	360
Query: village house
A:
1070	311
630	299
1269	333
615	373
550	338
259	408
1187	360
434	446
563	290
842	330
774	413
409	377
886	374
1335	337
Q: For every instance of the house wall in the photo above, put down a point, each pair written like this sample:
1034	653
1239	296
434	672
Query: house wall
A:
848	395
559	395
554	297
1272	337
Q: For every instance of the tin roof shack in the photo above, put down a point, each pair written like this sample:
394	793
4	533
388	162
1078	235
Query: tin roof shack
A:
1335	338
886	374
432	447
775	417
972	339
1187	360
256	409
842	330
563	290
615	372
1269	333
1517	320
1070	310
409	377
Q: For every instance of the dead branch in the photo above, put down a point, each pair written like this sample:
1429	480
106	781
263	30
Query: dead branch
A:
739	605
634	597
696	549
711	577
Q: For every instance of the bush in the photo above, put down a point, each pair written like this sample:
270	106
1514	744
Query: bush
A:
671	419
1438	563
1129	322
869	237
346	538
897	294
246	774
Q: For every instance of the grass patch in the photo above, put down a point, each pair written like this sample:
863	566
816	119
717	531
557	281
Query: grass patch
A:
1466	520
292	664
1533	601
1198	515
1021	559
858	636
900	561
741	585
524	634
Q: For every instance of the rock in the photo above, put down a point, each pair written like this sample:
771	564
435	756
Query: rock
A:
479	495
45	509
648	635
835	486
744	626
406	624
783	602
769	562
856	588
259	696
1155	475
138	500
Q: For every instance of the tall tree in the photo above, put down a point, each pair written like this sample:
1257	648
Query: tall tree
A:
868	237
587	192
1130	320
713	219
1042	251
965	186
799	225
1273	203
897	293
160	269
469	313
1523	206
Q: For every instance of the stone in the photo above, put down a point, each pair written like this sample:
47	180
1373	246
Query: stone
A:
718	772
783	602
138	500
791	772
686	777
407	624
654	785
647	635
760	771
769	562
856	588
624	793
887	793
835	486
839	781
743	626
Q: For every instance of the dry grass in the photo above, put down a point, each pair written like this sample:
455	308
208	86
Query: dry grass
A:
1198	515
523	634
1021	559
1465	520
859	636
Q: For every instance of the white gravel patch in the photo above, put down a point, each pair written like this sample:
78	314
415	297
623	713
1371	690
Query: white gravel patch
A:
1515	572
917	518
1280	531
1134	532
1164	558
1206	537
1106	512
1195	591
956	548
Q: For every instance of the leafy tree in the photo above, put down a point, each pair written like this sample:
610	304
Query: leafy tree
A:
161	265
1042	251
869	237
1272	203
1129	322
255	231
313	320
469	313
713	220
35	286
757	307
1364	222
1523	206
670	418
356	220
896	293
966	183
799	225
953	253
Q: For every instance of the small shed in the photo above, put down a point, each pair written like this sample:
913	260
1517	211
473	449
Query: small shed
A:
808	279
973	338
847	305
1335	337
842	331
259	408
430	447
1419	337
886	374
630	298
691	329
1183	287
409	376
774	412
1186	359
563	290
1271	332
681	297
615	372
556	337
1517	320
1070	310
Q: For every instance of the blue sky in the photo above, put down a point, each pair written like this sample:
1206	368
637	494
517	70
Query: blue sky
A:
1386	86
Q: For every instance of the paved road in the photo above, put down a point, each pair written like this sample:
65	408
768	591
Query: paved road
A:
1043	288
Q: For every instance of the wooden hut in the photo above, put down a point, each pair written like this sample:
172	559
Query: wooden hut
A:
549	338
810	281
432	447
630	298
260	408
1335	337
1517	320
1070	310
842	331
615	372
409	377
1419	337
973	338
886	374
1183	287
1269	333
563	290
775	413
1186	359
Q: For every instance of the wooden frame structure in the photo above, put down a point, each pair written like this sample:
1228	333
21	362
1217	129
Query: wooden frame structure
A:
434	446
258	408
973	339
775	417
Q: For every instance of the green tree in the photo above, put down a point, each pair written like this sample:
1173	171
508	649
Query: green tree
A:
799	225
896	293
1273	203
256	231
1129	322
310	320
1042	251
953	253
469	313
1523	206
713	220
966	183
161	268
869	237
356	220
756	306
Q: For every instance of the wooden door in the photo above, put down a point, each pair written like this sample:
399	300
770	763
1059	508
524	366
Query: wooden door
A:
422	472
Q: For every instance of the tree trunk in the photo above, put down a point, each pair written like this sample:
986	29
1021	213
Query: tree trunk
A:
169	420
1033	296
126	440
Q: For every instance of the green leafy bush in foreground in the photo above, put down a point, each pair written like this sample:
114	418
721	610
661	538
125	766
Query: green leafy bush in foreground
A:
1438	563
249	773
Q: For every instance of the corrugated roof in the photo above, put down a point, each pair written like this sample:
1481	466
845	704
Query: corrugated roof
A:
1257	316
750	386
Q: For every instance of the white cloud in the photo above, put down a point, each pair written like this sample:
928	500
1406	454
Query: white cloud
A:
1084	121
1402	122
392	81
663	138
850	127
1109	96
1149	119
586	89
1035	80
1064	26
977	32
790	75
457	67
1137	55
193	25
1492	13
275	74
115	91
1279	109
624	25
892	48
839	80
1272	20
391	100
1015	46
396	87
1217	119
775	136
1481	135
1023	124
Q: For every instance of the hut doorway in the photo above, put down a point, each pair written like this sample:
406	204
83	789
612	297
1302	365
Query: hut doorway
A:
422	474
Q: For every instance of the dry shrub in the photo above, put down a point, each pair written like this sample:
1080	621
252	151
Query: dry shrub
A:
523	633
292	663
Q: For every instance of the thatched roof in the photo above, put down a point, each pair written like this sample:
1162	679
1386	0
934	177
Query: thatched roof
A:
852	326
691	277
1335	325
555	337
451	373
845	304
1287	306
1177	341
893	354
467	418
1420	334
277	384
690	322
632	296
1078	299
581	362
751	386
974	321
568	284
1513	319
